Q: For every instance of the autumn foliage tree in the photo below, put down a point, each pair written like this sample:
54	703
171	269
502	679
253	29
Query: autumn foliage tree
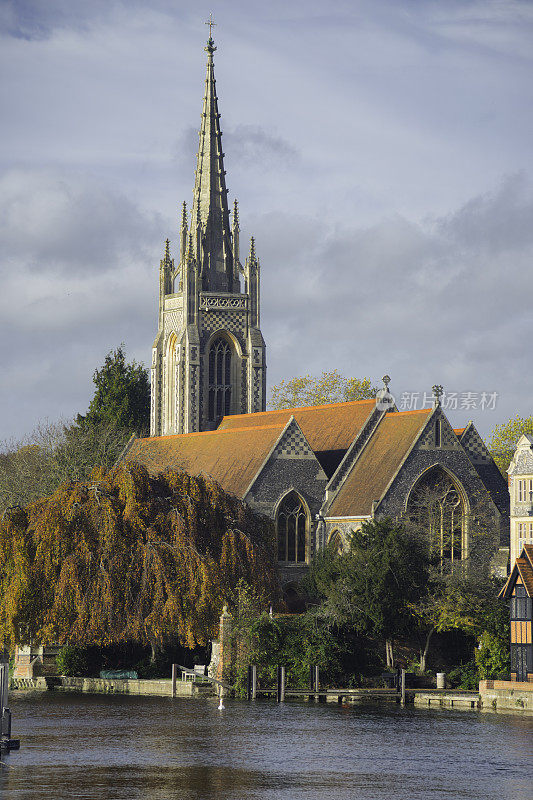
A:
504	439
309	390
127	557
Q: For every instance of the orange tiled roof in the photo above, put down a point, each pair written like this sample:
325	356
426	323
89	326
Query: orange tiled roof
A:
328	427
231	457
523	566
459	432
378	463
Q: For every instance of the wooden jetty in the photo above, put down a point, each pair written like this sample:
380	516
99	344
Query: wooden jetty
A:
450	698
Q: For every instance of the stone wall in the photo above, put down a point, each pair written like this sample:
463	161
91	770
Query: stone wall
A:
506	695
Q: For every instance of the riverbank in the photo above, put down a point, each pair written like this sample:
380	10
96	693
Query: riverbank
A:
492	695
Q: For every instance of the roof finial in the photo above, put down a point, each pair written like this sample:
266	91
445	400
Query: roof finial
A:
184	214
384	399
252	249
438	391
235	212
167	249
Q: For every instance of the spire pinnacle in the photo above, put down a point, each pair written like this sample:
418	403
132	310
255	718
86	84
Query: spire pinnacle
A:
210	203
235	213
252	249
190	249
167	249
184	215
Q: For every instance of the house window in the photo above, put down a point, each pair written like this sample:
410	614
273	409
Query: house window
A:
292	524
520	606
525	534
524	490
219	389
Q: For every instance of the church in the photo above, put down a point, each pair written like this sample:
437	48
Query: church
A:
318	472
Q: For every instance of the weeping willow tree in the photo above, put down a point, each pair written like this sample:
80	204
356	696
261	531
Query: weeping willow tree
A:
126	557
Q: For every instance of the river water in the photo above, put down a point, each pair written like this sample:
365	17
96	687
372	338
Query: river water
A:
97	747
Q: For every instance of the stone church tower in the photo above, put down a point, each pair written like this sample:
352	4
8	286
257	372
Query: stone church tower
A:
208	358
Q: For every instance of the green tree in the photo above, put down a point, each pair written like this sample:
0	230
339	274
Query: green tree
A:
504	438
382	574
330	387
60	451
122	395
468	603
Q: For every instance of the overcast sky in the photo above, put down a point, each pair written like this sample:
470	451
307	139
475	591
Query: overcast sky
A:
381	153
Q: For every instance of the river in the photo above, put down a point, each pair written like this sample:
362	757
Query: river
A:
97	747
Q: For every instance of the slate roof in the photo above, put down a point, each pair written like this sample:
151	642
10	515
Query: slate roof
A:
523	567
378	463
232	457
329	429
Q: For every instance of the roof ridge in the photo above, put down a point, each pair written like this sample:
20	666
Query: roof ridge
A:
274	426
302	408
410	411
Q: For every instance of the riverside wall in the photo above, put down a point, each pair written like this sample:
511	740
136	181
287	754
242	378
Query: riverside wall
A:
506	695
146	687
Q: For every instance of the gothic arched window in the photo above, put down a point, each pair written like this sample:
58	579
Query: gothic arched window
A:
292	525
219	389
437	509
336	542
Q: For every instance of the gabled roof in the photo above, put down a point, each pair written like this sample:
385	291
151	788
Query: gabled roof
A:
459	432
524	567
327	428
486	468
378	463
231	457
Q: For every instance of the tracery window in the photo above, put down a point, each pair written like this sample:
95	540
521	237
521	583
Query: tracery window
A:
219	389
292	526
436	507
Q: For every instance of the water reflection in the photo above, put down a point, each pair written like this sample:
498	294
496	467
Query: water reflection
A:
117	748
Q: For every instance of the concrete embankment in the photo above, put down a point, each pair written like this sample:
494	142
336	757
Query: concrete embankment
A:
148	687
506	695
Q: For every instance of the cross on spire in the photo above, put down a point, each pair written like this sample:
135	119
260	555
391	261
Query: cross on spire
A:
210	23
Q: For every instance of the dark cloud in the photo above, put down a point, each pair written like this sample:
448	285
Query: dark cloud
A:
254	146
248	146
424	301
53	222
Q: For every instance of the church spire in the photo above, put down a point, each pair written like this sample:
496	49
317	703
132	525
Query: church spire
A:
210	214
